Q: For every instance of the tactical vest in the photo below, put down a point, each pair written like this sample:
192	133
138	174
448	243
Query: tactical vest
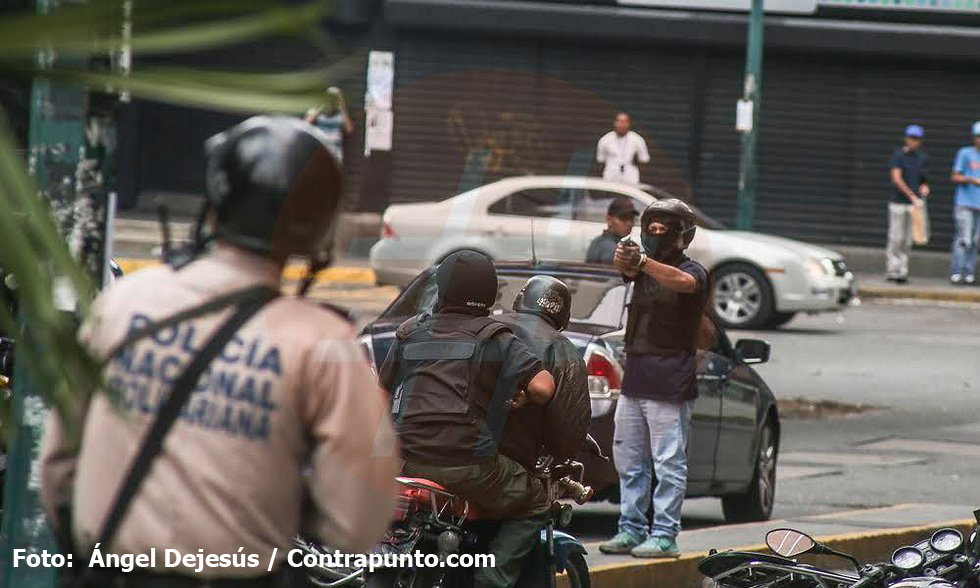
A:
662	321
439	383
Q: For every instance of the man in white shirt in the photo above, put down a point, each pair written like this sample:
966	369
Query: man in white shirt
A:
620	150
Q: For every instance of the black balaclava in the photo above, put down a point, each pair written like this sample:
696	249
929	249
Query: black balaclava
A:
665	246
467	284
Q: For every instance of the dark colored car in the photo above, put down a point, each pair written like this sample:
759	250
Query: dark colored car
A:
735	427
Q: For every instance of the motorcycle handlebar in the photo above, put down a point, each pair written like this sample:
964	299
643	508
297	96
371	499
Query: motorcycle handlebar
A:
579	493
872	578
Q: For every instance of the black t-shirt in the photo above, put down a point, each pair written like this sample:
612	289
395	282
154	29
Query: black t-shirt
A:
666	377
602	249
913	166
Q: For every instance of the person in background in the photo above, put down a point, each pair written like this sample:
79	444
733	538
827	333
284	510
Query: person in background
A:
620	217
966	213
620	150
331	117
907	171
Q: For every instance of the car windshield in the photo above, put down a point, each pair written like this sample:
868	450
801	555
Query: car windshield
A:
596	300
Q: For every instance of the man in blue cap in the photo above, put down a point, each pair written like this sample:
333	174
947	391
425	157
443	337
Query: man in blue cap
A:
907	169
966	213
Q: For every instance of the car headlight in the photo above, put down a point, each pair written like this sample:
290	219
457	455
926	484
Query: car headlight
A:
820	267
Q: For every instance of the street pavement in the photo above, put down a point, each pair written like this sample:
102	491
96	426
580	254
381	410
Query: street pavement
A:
912	364
904	427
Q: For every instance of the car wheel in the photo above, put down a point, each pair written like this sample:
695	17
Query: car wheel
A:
780	318
578	571
756	503
741	297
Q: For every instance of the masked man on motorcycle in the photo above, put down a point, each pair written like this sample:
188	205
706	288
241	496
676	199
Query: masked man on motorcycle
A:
289	390
541	311
653	415
453	376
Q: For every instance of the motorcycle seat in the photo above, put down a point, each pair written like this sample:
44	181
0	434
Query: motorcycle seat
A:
422	482
420	492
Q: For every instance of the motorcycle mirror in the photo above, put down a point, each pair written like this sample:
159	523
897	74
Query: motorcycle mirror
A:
789	542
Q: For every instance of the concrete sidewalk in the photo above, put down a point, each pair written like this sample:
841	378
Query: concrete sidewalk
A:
869	535
872	286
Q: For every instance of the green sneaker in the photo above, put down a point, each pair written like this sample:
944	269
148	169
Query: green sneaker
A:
656	547
622	543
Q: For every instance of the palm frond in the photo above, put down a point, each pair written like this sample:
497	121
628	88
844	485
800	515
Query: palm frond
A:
31	247
158	27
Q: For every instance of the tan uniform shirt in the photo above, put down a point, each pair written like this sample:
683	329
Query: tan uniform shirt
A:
291	388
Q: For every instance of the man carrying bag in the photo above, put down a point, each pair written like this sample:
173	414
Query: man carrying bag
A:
219	392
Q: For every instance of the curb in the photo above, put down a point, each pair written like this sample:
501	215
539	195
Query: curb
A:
866	546
293	271
965	295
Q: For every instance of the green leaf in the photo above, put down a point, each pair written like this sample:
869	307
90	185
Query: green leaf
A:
100	30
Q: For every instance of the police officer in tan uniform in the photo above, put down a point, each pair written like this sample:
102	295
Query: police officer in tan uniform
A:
291	389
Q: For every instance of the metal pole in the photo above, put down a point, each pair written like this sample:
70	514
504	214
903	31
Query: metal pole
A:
752	94
54	146
70	148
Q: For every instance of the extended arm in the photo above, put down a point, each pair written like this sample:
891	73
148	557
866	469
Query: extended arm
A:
960	178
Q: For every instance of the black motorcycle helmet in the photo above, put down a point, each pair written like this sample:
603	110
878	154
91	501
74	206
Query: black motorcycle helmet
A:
681	223
547	297
467	283
274	188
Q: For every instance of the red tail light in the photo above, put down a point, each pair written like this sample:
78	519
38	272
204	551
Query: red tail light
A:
599	366
386	231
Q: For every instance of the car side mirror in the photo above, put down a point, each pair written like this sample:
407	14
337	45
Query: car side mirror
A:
752	351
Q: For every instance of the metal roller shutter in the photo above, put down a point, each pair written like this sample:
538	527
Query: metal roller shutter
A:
653	84
170	151
830	123
829	126
455	96
940	96
532	107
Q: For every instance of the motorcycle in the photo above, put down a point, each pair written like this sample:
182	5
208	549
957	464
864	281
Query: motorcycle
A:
430	520
942	560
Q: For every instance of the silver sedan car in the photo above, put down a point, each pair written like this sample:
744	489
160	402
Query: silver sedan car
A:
758	280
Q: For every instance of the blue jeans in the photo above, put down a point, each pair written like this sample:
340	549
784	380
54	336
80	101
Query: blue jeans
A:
965	239
651	437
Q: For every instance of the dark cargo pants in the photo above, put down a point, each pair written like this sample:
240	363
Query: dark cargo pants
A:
500	489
